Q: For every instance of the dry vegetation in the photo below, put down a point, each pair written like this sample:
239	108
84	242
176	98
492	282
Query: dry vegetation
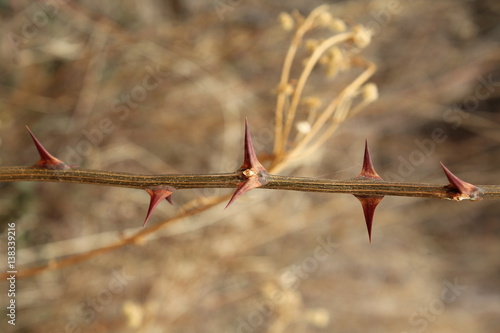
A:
258	266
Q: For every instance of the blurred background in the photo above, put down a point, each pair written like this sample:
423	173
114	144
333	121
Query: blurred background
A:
164	86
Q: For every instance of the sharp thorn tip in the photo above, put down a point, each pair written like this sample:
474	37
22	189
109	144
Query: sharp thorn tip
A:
369	205
157	194
466	190
368	170
47	161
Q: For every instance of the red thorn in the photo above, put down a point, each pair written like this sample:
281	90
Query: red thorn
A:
250	158
369	205
47	161
157	194
253	173
466	190
368	170
244	187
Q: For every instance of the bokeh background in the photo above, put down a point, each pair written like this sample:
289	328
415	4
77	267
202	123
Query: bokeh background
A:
164	86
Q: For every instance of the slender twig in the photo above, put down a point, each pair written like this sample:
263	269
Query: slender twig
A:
231	180
135	238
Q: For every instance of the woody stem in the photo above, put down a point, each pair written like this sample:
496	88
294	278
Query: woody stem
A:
359	187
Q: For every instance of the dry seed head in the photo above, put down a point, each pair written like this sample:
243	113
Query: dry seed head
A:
362	36
337	62
337	56
312	102
303	127
369	92
319	317
286	88
324	19
289	89
286	21
324	60
269	289
311	45
337	25
134	313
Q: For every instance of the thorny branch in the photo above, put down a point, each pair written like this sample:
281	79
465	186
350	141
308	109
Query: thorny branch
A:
337	53
252	174
230	180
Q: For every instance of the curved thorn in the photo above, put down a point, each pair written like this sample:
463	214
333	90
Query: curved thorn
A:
369	205
467	190
47	161
157	195
242	188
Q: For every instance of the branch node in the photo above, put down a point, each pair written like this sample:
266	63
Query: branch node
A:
466	191
253	173
369	203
